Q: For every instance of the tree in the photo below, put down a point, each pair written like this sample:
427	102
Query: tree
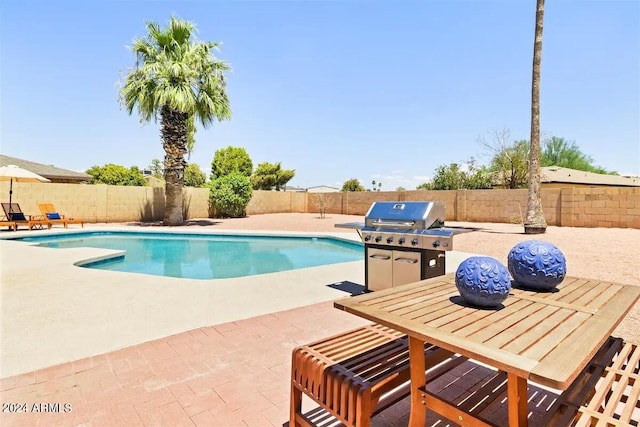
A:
478	177
449	177
559	152
322	202
401	188
455	176
230	194
231	159
194	176
112	174
352	185
271	176
191	135
510	162
534	222
510	167
156	168
175	77
373	185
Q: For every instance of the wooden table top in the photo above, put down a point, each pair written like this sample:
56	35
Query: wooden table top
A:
547	337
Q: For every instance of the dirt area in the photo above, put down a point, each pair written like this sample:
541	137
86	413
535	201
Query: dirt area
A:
598	253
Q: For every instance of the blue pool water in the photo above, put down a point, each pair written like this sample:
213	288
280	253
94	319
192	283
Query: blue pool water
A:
206	256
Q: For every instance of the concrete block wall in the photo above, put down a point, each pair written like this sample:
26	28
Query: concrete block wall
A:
579	207
569	207
359	202
506	206
72	200
333	202
448	197
124	203
269	202
600	207
494	206
299	202
195	202
104	203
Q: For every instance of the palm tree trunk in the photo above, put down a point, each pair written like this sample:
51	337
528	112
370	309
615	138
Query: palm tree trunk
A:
174	142
535	222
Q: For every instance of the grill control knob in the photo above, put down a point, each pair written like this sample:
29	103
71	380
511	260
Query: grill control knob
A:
401	241
436	243
367	238
414	242
378	238
389	239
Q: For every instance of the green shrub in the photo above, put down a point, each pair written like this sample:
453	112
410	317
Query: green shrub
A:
112	174
230	195
193	176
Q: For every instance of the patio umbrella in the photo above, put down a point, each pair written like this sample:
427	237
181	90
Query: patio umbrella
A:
15	173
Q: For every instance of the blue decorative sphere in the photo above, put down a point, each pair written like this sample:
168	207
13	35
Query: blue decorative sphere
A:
483	281
537	264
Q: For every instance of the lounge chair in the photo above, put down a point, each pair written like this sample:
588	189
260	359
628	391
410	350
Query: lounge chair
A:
15	214
50	212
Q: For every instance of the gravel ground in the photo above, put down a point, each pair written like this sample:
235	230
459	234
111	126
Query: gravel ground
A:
597	253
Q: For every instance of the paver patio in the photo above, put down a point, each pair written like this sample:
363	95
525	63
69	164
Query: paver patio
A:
232	374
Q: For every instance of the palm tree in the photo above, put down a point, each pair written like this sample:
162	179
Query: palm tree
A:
191	135
176	77
535	222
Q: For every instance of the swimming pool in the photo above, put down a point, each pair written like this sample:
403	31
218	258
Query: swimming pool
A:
206	256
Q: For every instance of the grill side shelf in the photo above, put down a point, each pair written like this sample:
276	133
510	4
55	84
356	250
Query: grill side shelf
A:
350	225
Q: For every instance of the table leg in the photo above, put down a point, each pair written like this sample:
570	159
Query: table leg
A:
517	401
418	415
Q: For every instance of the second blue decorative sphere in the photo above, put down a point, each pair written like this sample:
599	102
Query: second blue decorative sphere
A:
483	281
537	264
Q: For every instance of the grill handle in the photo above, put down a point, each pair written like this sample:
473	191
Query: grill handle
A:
407	260
383	257
393	224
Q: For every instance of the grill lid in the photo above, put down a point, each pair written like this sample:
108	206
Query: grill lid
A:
406	215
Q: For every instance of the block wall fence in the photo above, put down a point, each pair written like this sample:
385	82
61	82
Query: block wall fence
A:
567	207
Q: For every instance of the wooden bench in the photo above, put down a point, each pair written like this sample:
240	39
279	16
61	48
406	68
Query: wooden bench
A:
356	374
607	391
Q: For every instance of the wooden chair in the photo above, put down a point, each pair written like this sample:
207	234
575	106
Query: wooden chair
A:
356	374
50	212
14	214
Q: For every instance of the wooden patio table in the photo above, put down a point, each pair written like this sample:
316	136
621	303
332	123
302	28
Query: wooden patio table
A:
546	337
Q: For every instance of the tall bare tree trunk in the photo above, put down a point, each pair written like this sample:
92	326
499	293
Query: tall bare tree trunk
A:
535	222
174	142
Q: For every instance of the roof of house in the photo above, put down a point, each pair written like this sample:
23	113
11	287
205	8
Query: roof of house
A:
48	171
323	186
550	174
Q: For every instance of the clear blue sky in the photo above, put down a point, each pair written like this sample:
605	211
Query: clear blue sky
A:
384	90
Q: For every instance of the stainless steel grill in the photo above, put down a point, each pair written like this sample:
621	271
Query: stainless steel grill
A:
404	242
